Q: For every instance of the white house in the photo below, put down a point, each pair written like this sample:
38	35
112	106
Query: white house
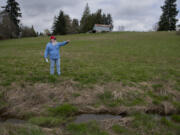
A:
102	28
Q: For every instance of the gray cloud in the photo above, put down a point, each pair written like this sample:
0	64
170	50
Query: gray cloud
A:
138	15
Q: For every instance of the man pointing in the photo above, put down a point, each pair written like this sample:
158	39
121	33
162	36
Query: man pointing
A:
52	51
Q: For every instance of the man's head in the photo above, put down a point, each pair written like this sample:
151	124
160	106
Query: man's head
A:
53	39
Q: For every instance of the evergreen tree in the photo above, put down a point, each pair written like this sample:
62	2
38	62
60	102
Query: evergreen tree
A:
109	20
85	18
75	26
13	9
59	26
54	30
99	17
68	25
104	19
168	18
34	34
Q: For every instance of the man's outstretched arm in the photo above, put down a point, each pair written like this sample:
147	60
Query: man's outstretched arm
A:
63	43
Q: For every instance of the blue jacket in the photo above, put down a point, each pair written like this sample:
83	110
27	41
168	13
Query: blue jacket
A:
53	50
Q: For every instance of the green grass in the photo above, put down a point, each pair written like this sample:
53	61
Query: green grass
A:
55	116
46	121
157	86
121	130
94	58
127	58
158	98
150	124
9	129
176	118
90	128
65	110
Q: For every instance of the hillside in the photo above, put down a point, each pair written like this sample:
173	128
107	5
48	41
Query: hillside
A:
132	74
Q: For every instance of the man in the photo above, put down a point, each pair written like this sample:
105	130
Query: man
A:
52	51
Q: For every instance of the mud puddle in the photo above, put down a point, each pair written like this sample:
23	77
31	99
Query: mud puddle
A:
83	118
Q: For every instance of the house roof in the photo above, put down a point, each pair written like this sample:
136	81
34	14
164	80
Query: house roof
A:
102	25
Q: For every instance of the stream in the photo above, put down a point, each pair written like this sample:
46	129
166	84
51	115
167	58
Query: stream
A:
83	118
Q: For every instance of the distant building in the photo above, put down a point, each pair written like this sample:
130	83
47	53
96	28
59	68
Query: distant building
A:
102	28
178	27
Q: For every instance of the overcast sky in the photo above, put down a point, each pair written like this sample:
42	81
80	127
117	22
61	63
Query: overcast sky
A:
135	15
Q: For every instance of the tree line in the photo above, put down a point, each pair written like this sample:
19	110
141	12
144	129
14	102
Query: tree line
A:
10	26
64	25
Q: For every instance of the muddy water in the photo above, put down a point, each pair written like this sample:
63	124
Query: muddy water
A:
83	118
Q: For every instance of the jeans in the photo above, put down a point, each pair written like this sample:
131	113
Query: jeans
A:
52	63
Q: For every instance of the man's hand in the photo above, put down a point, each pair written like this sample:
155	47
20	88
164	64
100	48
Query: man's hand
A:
46	60
68	41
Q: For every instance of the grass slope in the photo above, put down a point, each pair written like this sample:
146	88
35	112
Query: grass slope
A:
125	69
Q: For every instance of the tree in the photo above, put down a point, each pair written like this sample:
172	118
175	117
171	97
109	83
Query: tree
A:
34	34
7	27
68	23
85	19
54	26
13	9
75	26
168	18
27	31
109	20
59	26
88	20
99	17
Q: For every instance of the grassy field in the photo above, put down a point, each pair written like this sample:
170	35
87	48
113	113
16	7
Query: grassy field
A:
127	72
